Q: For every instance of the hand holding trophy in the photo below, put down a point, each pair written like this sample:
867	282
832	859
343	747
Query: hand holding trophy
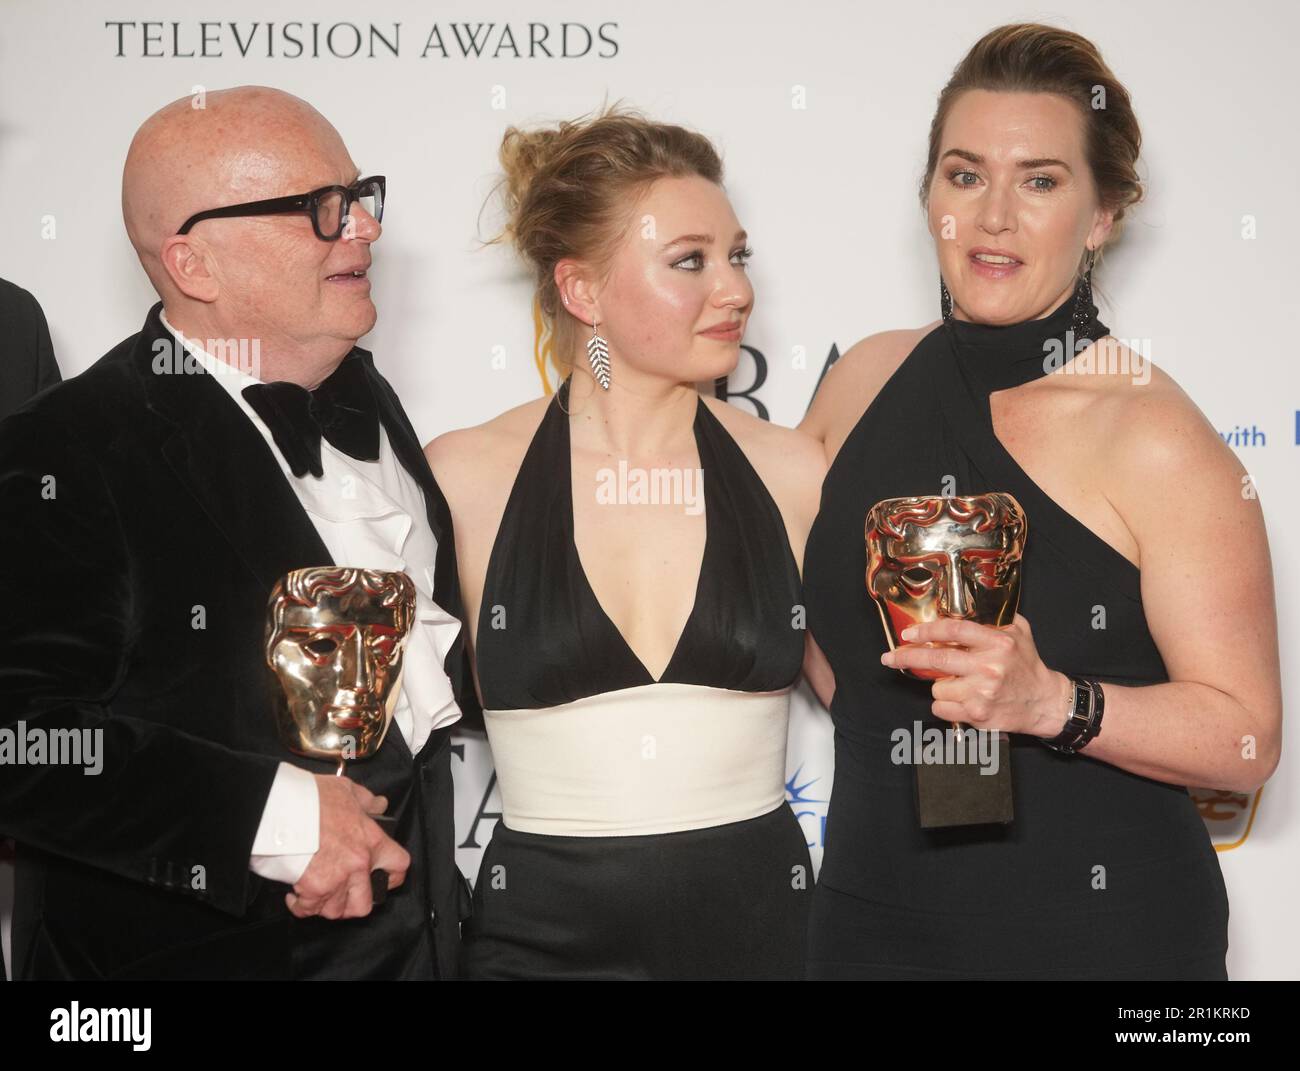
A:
932	557
334	641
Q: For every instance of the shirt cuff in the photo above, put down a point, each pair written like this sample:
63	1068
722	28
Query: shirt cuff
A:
289	833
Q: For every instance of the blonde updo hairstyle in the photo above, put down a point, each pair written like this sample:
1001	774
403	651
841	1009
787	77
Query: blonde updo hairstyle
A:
571	190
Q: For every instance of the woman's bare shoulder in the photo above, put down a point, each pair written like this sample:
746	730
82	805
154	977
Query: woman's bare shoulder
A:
768	441
463	458
1146	418
853	382
790	462
877	355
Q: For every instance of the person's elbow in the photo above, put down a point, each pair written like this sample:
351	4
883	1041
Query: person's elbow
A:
1260	749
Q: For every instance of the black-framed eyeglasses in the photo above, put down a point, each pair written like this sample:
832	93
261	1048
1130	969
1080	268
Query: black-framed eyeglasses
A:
328	207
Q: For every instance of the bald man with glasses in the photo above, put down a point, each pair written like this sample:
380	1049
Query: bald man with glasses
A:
151	504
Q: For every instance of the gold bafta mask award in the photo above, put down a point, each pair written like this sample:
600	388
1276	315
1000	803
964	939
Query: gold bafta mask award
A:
949	556
334	642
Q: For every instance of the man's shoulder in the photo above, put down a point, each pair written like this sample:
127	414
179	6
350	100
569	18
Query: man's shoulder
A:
100	412
107	392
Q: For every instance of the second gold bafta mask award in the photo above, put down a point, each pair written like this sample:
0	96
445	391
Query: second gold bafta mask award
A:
950	556
334	643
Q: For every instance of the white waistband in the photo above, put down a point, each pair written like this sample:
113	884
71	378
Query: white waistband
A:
657	758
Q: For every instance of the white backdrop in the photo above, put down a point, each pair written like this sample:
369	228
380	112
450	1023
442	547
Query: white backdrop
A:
821	111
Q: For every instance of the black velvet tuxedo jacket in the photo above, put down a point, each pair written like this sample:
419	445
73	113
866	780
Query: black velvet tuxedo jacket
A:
143	522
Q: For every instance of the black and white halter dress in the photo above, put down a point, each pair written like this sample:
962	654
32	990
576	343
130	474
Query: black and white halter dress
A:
645	832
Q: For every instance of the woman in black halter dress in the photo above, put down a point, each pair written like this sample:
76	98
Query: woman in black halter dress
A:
894	900
645	832
569	708
1103	873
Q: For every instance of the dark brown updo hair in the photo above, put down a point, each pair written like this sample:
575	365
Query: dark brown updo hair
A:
1033	58
570	191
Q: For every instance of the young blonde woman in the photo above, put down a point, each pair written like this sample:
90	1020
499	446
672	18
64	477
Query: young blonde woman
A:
634	658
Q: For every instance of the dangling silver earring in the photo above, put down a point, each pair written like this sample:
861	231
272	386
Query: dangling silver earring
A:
598	355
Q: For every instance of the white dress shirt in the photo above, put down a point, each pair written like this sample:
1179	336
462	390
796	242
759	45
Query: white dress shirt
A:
369	514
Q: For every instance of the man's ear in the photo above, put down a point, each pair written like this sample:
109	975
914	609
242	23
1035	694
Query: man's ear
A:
186	263
577	294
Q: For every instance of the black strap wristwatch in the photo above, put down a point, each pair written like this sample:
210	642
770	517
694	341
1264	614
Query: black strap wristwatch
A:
1087	704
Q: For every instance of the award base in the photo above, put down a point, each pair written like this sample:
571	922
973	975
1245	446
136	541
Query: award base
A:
962	794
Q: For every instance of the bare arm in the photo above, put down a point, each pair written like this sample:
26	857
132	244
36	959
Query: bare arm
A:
852	384
1207	590
818	671
844	395
450	460
811	471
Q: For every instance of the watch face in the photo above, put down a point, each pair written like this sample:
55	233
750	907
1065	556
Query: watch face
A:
1082	703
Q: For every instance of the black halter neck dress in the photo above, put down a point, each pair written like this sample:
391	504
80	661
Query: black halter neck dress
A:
645	833
1102	873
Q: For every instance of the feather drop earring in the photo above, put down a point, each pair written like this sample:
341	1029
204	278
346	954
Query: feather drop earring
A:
598	355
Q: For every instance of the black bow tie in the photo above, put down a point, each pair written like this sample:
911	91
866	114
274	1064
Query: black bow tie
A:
342	409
